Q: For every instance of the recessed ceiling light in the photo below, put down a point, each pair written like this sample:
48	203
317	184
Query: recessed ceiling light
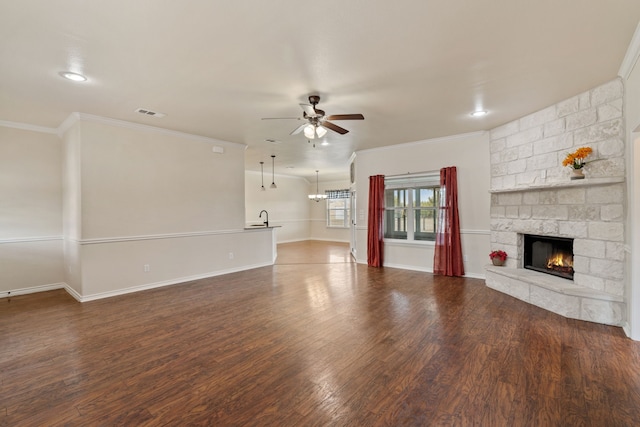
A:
479	113
73	76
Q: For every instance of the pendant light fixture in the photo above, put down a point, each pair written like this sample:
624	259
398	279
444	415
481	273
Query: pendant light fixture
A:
273	172
317	197
262	175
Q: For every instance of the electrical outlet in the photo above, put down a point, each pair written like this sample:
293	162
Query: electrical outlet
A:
147	268
230	255
464	258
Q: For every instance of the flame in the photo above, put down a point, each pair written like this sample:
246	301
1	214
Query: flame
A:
560	260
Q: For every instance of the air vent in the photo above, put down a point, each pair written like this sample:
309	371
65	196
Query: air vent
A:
148	112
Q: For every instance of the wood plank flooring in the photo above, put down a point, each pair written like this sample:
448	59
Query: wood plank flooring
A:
321	342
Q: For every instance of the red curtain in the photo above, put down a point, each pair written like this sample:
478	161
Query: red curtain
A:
375	231
447	259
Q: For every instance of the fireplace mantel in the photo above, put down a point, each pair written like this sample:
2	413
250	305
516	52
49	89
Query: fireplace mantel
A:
562	184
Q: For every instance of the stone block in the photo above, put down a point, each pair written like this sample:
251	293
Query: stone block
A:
524	212
607	312
606	268
495	158
612	213
499	169
581	119
531	198
584	213
609	111
506	199
496	146
565	305
605	194
498	212
589	248
581	264
589	281
550	212
611	231
550	228
526	178
509	181
548	197
501	224
606	168
614	287
552	144
542	161
507	285
615	251
517	166
577	230
569	106
599	132
505	130
607	92
525	137
506	238
525	151
511	212
571	196
538	118
584	101
554	128
497	183
613	147
509	155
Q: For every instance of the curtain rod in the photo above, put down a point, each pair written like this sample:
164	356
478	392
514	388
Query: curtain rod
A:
413	174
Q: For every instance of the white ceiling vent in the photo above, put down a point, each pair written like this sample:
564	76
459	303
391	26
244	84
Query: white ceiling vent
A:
148	112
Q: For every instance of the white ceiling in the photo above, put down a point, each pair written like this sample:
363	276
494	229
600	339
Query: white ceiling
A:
414	68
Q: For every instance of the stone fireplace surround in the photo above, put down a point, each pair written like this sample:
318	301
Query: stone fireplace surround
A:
531	193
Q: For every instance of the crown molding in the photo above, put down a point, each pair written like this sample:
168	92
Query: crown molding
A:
74	117
632	55
26	126
426	141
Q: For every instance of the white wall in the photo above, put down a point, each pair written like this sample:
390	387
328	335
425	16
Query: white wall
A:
632	115
470	154
287	205
30	212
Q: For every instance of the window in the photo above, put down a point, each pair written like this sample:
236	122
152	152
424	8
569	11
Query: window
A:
411	207
338	208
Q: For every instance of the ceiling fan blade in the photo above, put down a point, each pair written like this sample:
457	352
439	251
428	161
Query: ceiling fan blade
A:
334	128
311	112
346	117
298	129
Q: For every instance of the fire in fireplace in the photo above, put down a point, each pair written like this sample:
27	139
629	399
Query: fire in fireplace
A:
551	255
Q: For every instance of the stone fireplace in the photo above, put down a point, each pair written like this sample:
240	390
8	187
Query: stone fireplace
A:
535	203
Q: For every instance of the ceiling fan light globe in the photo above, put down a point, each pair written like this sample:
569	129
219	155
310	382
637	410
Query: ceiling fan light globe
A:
309	132
321	131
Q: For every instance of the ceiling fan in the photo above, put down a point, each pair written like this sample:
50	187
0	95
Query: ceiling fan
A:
317	122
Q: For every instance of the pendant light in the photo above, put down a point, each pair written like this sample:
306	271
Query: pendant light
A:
273	172
262	175
317	197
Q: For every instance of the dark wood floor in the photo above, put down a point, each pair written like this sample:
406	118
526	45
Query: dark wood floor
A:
318	344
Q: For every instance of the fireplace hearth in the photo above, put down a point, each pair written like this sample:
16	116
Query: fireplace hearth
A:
551	255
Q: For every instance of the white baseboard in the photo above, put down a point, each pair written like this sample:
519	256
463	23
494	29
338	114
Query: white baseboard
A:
32	290
101	295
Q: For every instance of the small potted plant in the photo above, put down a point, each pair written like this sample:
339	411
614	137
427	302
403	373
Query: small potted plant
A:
498	257
576	161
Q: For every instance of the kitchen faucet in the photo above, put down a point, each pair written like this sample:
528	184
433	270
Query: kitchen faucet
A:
266	223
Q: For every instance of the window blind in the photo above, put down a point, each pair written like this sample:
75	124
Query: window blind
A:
337	194
412	181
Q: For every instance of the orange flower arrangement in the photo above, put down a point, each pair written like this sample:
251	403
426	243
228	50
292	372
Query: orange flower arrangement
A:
576	160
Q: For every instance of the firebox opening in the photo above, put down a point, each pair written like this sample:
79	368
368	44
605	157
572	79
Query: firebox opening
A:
551	255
